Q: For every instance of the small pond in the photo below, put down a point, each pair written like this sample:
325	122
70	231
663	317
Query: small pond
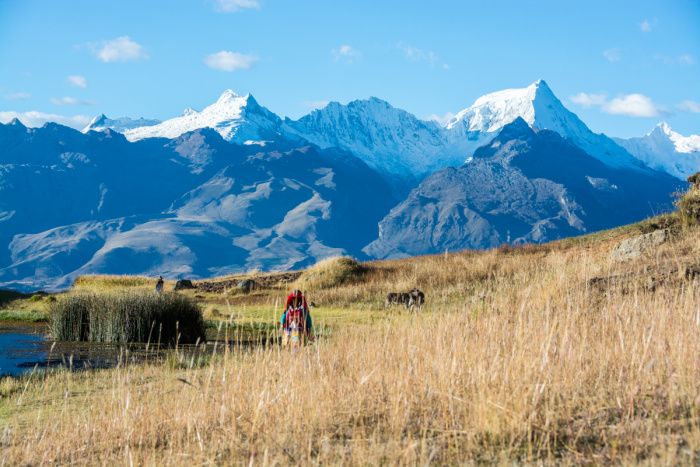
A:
25	346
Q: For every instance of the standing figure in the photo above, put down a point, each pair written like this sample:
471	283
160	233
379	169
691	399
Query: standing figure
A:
296	321
159	285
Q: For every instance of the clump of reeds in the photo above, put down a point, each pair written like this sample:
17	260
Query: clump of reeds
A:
126	317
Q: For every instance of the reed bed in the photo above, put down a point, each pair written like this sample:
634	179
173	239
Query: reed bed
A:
126	317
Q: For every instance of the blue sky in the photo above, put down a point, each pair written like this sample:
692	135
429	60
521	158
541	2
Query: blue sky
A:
622	66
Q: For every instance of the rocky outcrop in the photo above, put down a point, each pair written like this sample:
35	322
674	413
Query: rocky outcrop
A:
184	284
246	285
634	247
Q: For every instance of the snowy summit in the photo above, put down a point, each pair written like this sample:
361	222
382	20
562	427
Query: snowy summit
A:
237	119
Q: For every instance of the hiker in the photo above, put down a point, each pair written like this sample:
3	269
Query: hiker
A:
159	285
296	321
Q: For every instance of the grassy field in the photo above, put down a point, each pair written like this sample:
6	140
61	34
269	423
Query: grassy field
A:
543	354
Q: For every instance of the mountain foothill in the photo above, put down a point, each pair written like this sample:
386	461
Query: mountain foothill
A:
234	187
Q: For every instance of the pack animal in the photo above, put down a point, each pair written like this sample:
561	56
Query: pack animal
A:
395	298
417	298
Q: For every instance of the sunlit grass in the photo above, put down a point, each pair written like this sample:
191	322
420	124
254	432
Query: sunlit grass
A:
515	359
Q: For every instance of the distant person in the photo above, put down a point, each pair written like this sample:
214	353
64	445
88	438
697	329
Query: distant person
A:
296	321
159	285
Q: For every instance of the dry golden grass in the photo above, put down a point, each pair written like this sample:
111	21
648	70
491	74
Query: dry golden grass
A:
520	355
104	282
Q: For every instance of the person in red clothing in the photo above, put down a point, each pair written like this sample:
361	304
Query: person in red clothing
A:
296	319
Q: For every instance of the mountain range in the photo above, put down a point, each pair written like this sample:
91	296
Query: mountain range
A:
235	187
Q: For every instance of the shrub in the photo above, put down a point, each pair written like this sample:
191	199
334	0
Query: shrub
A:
126	317
36	298
688	207
331	272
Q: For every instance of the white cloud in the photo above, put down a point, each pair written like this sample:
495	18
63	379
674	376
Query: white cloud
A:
614	55
315	104
230	61
588	100
686	60
633	105
689	107
232	6
76	80
72	101
645	26
347	54
17	96
440	120
37	119
121	49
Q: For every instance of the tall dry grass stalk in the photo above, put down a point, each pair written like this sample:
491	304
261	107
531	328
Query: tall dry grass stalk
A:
518	356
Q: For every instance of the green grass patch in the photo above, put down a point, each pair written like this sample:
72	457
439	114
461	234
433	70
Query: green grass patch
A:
26	316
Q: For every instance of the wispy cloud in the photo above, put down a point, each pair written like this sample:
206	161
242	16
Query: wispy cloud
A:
72	101
37	119
415	54
77	80
440	120
16	96
686	60
670	60
644	26
631	105
689	107
233	6
614	54
230	61
314	104
121	49
346	54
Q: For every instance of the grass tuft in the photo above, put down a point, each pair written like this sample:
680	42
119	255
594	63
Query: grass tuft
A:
330	272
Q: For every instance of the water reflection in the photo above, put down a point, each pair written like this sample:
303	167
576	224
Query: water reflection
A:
22	345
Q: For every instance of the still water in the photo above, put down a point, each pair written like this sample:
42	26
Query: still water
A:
26	346
22	346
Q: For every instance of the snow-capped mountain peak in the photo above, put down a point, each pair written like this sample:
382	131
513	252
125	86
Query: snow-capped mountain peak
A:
539	107
101	123
664	149
388	139
238	119
535	104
